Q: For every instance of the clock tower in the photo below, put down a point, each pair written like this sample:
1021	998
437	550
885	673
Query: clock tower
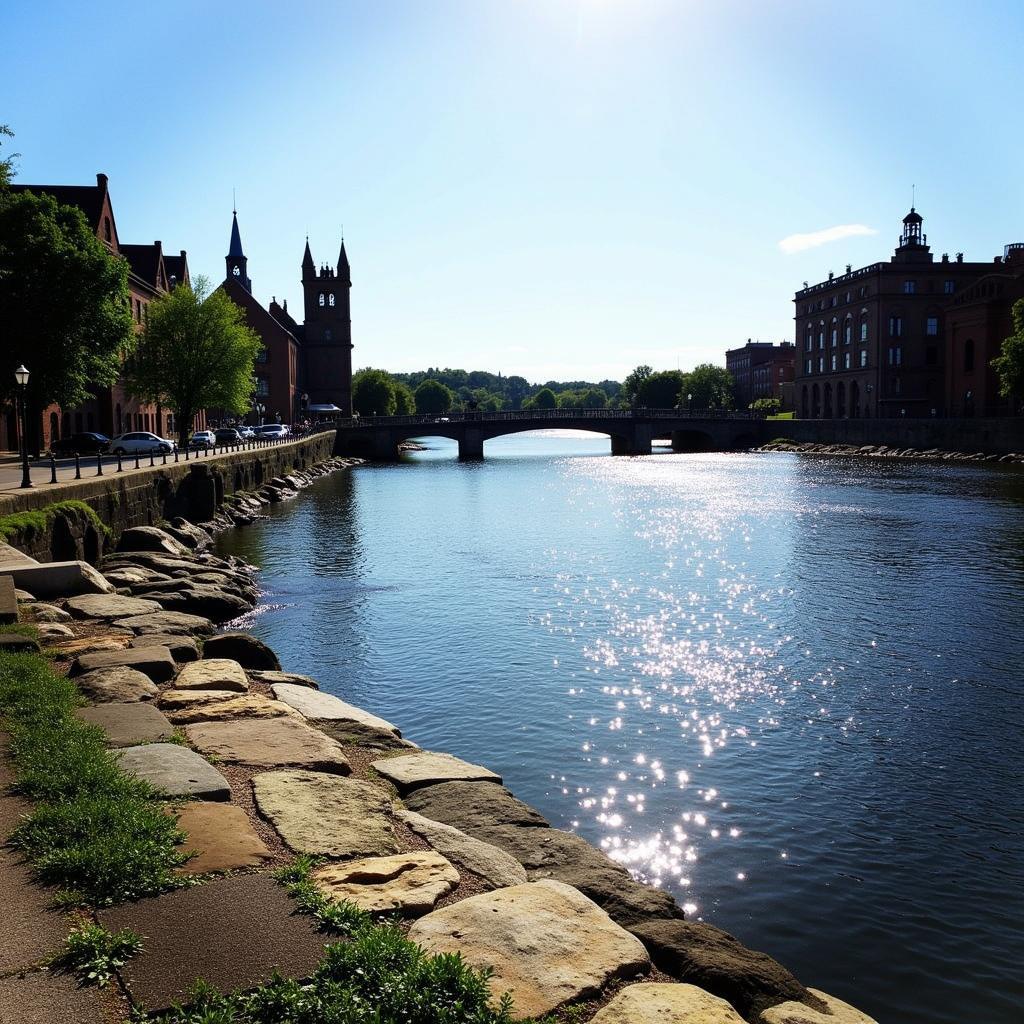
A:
235	259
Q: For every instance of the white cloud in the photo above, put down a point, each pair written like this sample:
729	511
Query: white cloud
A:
812	239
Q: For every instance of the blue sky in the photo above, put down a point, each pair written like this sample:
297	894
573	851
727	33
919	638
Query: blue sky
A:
556	188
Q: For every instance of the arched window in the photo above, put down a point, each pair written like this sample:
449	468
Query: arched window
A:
969	355
330	299
848	330
322	300
863	330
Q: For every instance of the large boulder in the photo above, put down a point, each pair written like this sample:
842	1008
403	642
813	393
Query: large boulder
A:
154	662
285	742
109	606
200	599
56	579
321	707
833	1011
292	678
425	767
178	623
243	648
150	538
182	648
409	883
41	612
189	534
175	770
126	725
17	643
472	805
212	674
186	707
704	955
666	1004
546	943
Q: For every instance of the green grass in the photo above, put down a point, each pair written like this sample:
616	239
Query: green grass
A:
21	628
30	524
98	834
93	954
782	416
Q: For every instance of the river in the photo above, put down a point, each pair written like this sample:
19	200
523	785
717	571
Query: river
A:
787	688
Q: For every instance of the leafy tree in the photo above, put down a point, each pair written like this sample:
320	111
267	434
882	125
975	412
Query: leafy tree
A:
659	390
568	399
711	387
1009	364
631	385
405	403
544	399
594	398
195	352
373	393
7	163
516	389
433	397
766	406
64	309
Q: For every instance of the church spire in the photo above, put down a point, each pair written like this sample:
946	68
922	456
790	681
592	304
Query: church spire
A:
344	272
235	259
308	266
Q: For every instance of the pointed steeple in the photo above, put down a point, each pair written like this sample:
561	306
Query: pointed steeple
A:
235	248
308	266
235	259
344	272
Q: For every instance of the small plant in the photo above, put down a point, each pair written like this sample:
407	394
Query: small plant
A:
93	954
337	917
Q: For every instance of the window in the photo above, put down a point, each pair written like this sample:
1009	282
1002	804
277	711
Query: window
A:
262	356
322	300
895	327
969	355
949	287
932	326
863	358
909	287
834	362
864	330
849	296
330	299
810	367
846	360
262	386
821	338
896	386
895	355
821	364
931	355
835	300
810	340
848	331
862	291
328	335
835	336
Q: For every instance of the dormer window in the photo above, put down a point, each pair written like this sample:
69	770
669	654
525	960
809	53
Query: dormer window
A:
322	300
330	299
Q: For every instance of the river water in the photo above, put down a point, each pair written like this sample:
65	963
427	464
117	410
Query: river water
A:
789	689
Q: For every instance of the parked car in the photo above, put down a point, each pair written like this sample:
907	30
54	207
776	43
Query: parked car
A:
227	435
88	443
202	439
272	431
246	432
142	443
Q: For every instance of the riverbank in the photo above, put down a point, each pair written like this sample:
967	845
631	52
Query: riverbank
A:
279	767
882	451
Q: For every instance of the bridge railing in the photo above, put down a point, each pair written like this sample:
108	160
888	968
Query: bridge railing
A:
552	415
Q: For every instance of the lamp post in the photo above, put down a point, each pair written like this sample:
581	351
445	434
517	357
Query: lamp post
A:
260	409
689	403
21	376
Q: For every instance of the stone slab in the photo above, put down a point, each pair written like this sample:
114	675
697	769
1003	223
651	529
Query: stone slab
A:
8	600
183	648
349	732
409	883
325	814
167	622
836	1012
186	707
247	650
54	631
212	674
126	725
42	612
119	685
75	646
109	606
44	997
222	838
155	662
494	866
473	805
16	643
175	770
424	768
546	942
270	678
57	579
231	932
269	742
666	1004
323	706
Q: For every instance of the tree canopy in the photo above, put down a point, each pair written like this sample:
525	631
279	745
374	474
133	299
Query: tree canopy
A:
766	406
432	397
7	163
64	308
1009	364
707	387
405	403
660	390
373	393
631	385
195	352
544	399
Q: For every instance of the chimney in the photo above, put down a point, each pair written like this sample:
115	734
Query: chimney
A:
101	180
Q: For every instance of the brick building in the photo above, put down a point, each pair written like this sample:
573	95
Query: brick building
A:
151	273
761	369
871	342
304	367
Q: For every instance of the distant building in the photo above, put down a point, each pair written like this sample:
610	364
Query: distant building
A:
760	369
872	341
304	368
151	273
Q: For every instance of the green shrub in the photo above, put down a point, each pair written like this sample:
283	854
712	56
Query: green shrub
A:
93	954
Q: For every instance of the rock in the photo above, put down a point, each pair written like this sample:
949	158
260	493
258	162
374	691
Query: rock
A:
189	534
410	883
201	599
666	1004
175	770
150	538
23	596
182	648
552	853
54	630
133	576
109	606
546	942
270	742
222	838
47	612
410	771
186	707
17	643
713	959
212	674
73	646
246	650
56	579
270	678
155	662
126	725
836	1012
326	815
116	685
322	707
351	733
473	805
178	623
494	866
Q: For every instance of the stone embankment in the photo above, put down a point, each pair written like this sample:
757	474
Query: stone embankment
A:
882	451
261	765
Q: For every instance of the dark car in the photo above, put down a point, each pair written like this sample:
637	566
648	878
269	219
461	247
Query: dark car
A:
228	435
88	443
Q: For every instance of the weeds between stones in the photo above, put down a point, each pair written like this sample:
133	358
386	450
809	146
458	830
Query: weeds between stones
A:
93	954
99	834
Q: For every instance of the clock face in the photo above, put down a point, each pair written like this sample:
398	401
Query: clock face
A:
236	270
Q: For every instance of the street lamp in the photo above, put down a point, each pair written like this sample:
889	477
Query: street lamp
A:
21	376
689	402
260	410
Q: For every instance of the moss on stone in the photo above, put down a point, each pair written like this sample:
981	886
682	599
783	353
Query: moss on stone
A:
31	524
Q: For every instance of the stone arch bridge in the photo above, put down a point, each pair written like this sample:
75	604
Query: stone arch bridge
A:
632	432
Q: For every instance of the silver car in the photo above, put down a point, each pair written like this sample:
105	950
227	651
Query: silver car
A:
140	442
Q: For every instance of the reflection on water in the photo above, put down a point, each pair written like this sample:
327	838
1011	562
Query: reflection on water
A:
786	689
